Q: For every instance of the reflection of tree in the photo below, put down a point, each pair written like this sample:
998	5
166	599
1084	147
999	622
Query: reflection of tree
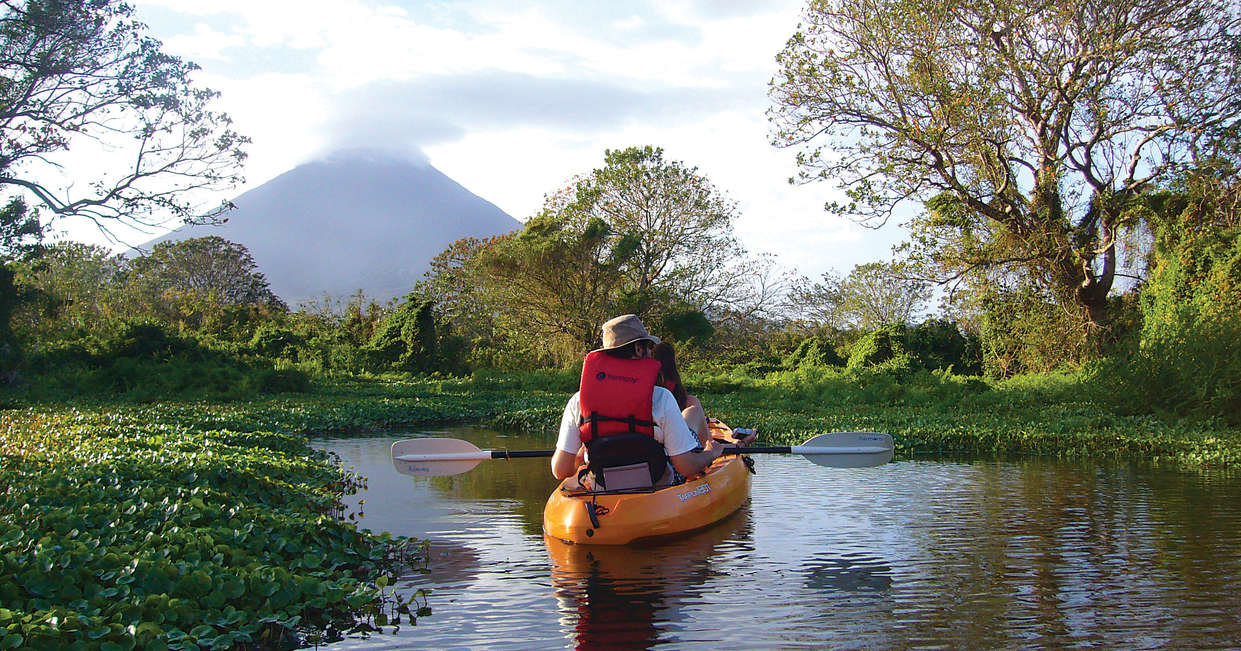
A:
448	562
849	574
612	594
1052	553
1194	526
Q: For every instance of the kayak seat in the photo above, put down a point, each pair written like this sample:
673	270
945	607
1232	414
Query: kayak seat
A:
627	461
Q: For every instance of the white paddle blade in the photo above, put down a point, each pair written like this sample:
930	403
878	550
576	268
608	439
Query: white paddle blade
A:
436	457
847	449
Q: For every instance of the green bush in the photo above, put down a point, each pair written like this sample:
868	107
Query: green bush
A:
1187	362
815	350
277	380
939	344
143	340
688	326
1023	331
879	346
275	341
143	362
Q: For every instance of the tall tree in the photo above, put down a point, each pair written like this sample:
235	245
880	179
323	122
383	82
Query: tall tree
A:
73	286
20	237
20	231
458	289
557	279
1036	126
204	266
82	73
682	223
872	295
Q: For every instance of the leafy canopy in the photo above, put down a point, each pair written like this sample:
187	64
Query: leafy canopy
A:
83	75
1039	124
205	265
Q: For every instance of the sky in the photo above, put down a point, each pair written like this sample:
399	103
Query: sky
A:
512	99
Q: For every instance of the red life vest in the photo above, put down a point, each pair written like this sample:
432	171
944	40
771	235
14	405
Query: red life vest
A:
615	395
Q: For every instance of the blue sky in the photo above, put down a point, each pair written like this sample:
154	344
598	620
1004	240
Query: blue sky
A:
512	99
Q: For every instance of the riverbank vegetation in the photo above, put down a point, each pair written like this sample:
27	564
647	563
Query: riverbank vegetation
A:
183	527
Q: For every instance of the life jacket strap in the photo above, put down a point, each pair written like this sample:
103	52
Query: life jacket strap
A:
633	422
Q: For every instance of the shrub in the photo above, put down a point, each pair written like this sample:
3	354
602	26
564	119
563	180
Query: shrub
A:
689	326
278	380
1188	362
878	347
939	344
143	340
275	341
813	351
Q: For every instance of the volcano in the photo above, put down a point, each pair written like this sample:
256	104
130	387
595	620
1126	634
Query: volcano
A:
352	221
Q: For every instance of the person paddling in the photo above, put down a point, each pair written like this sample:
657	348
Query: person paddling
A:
632	429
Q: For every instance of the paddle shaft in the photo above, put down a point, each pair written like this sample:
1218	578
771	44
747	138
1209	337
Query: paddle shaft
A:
531	454
479	455
436	457
805	449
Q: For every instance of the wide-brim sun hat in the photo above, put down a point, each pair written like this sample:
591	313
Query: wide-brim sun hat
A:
623	330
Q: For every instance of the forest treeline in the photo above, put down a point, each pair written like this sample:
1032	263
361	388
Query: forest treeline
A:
196	317
1073	209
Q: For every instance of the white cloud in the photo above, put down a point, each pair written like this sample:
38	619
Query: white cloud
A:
204	45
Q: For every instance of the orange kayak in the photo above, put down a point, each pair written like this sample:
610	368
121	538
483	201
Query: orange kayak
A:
625	518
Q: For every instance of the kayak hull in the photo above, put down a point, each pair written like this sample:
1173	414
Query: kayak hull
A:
627	518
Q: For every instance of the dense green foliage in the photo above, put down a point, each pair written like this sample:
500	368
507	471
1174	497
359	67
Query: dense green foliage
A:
405	341
1187	360
142	361
181	526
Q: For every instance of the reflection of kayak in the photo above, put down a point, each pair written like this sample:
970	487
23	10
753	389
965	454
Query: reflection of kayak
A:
617	596
624	518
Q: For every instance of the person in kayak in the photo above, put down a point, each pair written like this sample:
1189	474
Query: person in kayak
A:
618	403
691	407
670	379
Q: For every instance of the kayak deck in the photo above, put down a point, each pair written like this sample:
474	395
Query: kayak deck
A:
624	518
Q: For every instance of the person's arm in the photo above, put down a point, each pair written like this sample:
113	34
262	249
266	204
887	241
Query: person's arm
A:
691	463
564	464
564	459
680	442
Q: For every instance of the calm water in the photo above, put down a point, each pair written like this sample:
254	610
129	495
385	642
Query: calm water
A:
980	554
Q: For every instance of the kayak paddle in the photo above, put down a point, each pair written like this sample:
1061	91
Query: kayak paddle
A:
434	457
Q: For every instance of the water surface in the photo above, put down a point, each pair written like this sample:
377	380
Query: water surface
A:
944	553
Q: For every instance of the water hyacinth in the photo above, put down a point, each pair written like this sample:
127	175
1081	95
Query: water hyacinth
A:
131	526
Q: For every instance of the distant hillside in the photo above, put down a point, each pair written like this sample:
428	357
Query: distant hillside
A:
352	221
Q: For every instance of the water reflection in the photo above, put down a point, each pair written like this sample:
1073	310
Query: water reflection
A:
622	596
956	554
848	575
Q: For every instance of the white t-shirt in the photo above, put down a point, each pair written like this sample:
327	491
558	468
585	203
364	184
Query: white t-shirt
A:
670	427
